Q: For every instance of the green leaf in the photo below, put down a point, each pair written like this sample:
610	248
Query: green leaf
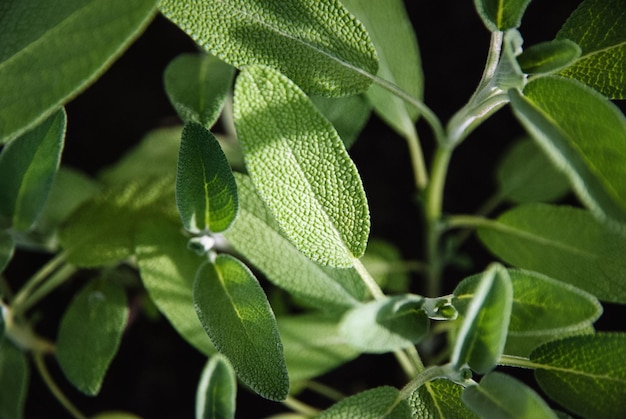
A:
384	262
217	389
526	174
313	345
206	192
375	403
399	60
90	333
439	399
502	396
13	380
347	114
301	168
482	336
6	249
234	311
167	269
501	15
598	27
589	150
585	374
523	345
27	168
386	325
565	243
321	287
316	43
549	57
50	52
197	85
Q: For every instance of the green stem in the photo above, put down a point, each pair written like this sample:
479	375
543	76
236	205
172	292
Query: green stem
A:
46	288
326	391
420	175
516	361
300	407
370	283
36	279
469	221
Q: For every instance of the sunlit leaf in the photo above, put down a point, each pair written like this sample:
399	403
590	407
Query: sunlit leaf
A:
215	397
500	15
548	57
439	399
376	403
14	377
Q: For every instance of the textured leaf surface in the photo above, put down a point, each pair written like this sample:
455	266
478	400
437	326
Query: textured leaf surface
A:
386	325
586	374
317	43
347	114
500	15
439	399
548	57
502	396
206	192
90	333
50	52
271	252
28	165
234	311
482	335
565	243
167	270
370	404
590	150
300	168
13	380
597	26
215	398
6	249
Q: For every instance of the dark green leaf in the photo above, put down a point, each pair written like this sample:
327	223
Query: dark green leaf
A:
6	249
549	57
215	398
234	311
347	114
501	15
317	43
51	51
523	345
27	168
439	399
13	380
90	333
377	403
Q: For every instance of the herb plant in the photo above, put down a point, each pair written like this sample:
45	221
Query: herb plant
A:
191	217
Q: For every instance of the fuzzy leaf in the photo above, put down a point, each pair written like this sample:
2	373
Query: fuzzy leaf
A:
300	168
197	85
52	51
439	399
502	396
541	237
585	374
501	15
27	168
206	192
14	376
316	43
215	398
370	404
347	114
6	249
597	26
90	333
234	311
523	345
548	57
589	150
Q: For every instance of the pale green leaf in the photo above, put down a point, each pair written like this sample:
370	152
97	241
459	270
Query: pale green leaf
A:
215	397
206	192
90	333
28	165
53	50
376	403
439	399
321	287
316	43
590	149
167	269
526	174
347	114
300	168
482	335
585	374
234	311
386	325
197	85
565	243
6	249
597	26
548	57
501	15
502	396
14	377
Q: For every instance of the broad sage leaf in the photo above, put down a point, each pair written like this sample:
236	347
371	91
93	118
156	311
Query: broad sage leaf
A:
540	237
439	399
300	168
7	246
197	86
316	43
522	345
502	396
50	52
90	333
591	365
235	313
348	115
588	150
548	57
501	15
597	26
482	335
206	192
14	373
377	403
215	397
28	165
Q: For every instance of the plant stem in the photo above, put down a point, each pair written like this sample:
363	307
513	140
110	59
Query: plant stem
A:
300	407
46	288
516	361
325	390
370	283
420	175
471	221
36	279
